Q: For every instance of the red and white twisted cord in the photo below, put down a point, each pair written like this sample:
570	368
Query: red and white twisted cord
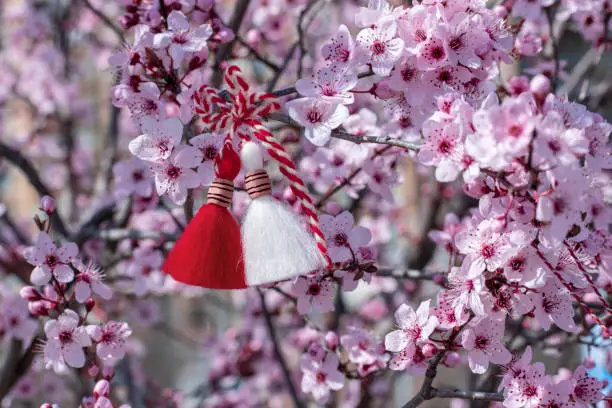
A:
243	109
288	169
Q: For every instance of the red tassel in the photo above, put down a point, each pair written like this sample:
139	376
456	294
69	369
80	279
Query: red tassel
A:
209	252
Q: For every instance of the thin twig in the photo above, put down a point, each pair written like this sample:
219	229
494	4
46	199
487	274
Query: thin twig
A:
277	351
468	395
15	365
406	274
300	30
224	49
119	234
427	391
384	140
347	180
105	19
554	48
292	90
258	55
18	160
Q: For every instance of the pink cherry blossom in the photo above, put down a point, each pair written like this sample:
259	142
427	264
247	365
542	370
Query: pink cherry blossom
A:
586	389
65	341
15	321
313	292
528	389
132	177
486	248
465	288
320	377
379	47
553	303
209	144
329	81
367	353
483	342
50	261
110	340
342	236
158	139
181	39
147	103
318	116
175	175
415	329
443	148
340	48
88	281
517	368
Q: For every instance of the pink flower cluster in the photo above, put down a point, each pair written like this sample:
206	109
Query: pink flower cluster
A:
525	384
415	53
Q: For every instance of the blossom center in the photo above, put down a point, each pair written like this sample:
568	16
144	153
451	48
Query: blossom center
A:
437	53
108	337
487	251
341	239
210	152
559	206
51	261
517	264
378	47
163	146
408	74
531	391
420	35
314	116
65	337
314	289
173	172
445	146
180	38
321	377
515	130
481	342
456	43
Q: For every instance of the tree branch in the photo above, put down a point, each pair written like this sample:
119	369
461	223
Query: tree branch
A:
18	160
224	49
406	274
15	366
468	395
427	391
277	351
105	19
292	90
347	180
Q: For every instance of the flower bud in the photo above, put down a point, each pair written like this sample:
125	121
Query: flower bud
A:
46	405
108	372
316	351
101	389
93	370
500	11
452	359
332	207
90	304
47	204
30	293
540	86
331	340
429	350
38	308
588	363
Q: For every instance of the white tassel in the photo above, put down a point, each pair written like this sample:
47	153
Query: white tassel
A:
276	246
